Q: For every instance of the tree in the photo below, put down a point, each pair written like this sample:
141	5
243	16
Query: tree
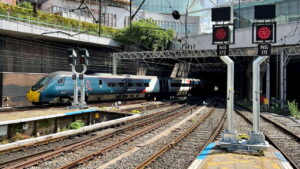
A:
146	34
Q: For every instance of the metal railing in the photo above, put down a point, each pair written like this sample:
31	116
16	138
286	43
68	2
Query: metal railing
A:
79	29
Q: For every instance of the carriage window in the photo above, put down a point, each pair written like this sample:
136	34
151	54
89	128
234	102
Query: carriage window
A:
146	84
100	82
130	84
138	84
61	80
121	84
175	84
110	84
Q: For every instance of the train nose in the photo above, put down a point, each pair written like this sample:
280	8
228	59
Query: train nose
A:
33	96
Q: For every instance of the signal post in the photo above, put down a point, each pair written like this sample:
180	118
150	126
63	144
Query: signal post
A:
223	36
74	60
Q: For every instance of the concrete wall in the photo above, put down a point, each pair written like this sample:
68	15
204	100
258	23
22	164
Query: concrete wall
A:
14	87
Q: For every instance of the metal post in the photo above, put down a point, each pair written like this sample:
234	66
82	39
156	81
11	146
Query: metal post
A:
284	81
75	100
115	64
99	17
130	10
268	82
256	92
230	91
82	94
281	79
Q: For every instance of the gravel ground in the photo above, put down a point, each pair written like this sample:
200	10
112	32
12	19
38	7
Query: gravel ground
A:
138	145
287	143
285	121
146	150
185	151
56	144
65	159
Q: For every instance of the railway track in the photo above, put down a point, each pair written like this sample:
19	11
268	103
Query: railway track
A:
287	142
33	159
182	150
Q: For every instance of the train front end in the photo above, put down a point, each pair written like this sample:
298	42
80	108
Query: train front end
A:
34	94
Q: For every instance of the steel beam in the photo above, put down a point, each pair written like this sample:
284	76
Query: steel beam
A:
176	54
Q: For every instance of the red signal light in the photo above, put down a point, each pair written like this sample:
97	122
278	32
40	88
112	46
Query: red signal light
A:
264	32
82	60
221	34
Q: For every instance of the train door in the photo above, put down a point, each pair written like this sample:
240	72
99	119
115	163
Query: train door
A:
164	87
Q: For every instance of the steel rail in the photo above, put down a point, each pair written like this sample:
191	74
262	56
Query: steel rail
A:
183	135
32	160
269	138
63	137
116	144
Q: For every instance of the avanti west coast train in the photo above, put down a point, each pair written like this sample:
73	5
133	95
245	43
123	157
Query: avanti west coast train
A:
58	86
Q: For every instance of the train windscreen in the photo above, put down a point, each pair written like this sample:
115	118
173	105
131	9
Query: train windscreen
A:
41	83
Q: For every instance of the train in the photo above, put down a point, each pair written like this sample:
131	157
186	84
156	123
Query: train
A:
58	87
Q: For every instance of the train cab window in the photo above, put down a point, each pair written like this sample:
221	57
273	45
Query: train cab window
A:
61	81
41	83
138	84
130	84
110	84
121	84
146	84
100	82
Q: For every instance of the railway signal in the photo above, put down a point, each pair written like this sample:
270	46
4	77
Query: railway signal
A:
223	36
84	56
83	60
72	60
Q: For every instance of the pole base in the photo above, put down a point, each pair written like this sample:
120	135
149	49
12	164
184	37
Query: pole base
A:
256	142
229	137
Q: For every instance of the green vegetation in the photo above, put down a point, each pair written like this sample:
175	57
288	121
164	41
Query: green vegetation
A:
247	104
25	5
44	123
293	108
76	124
20	136
52	20
146	34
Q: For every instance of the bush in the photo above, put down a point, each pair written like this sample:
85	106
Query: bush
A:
25	5
293	108
76	124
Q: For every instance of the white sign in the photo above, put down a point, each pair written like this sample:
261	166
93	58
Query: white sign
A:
3	130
